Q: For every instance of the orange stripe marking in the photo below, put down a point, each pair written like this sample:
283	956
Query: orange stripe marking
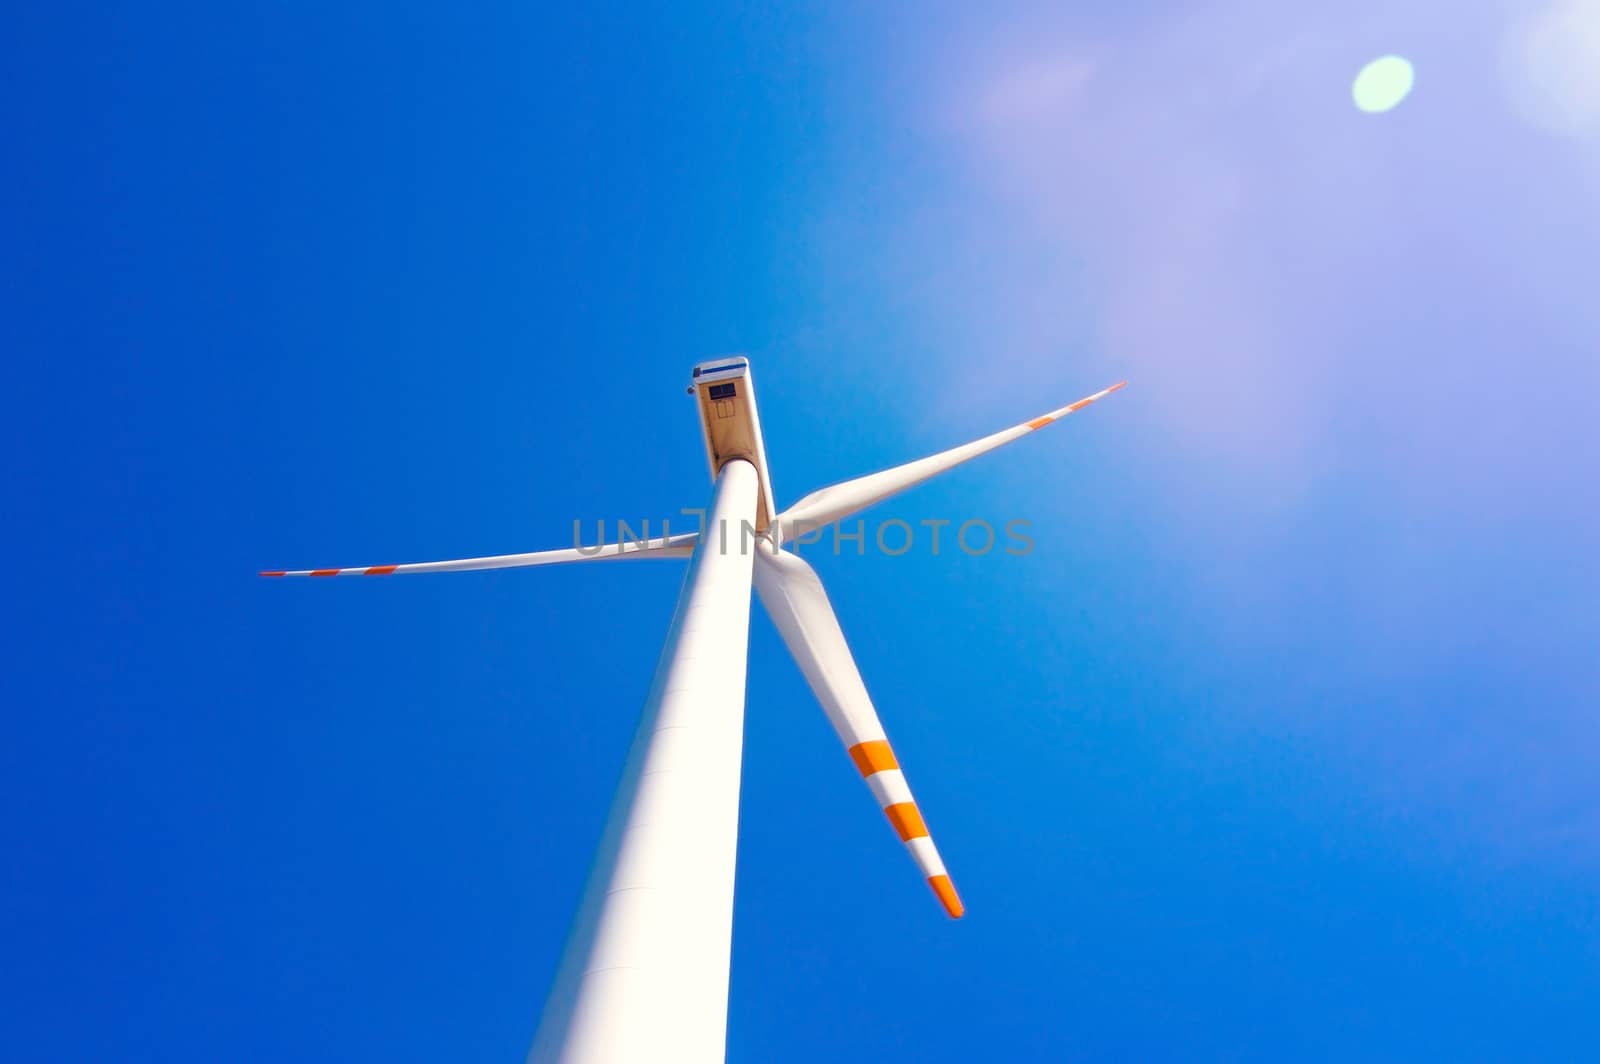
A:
1079	405
906	820
380	570
274	572
947	895
873	756
1040	422
324	572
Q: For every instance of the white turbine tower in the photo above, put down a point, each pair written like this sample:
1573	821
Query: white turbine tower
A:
644	976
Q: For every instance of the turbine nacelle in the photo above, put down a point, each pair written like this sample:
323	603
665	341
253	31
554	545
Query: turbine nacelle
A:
726	394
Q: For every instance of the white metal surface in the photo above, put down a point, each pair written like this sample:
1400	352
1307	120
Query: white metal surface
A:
794	598
827	505
645	974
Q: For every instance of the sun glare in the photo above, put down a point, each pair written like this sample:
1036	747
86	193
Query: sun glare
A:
1382	84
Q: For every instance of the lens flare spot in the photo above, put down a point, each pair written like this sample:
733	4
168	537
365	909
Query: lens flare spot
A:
1382	84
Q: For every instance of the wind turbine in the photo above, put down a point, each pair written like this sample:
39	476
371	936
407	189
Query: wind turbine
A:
644	976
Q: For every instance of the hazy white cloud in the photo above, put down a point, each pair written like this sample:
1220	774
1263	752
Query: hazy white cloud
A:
1552	67
1129	150
1241	238
1037	90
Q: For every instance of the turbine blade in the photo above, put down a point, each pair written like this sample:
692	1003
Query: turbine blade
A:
827	505
680	546
795	600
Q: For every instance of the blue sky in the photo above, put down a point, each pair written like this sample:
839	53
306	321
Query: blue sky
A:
1281	743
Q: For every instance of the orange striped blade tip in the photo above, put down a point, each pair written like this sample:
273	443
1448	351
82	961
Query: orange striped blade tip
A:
948	897
907	820
1041	422
371	570
1081	403
873	756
